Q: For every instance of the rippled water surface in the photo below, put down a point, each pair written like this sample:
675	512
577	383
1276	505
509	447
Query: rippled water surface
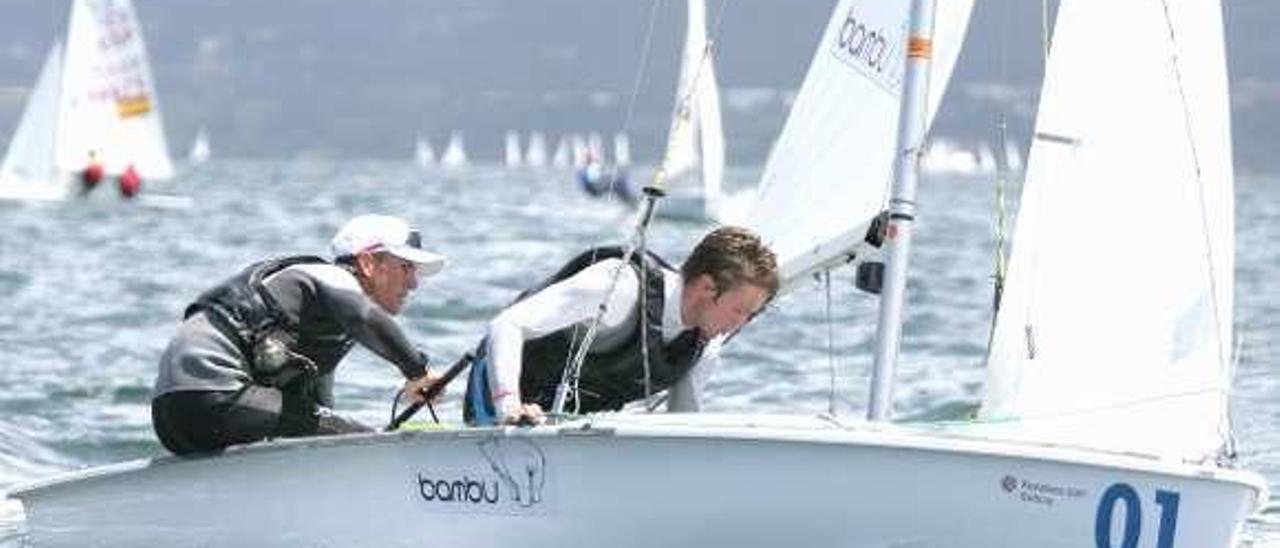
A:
92	291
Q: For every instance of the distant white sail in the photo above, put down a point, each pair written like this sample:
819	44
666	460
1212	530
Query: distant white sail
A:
578	150
694	156
1012	155
28	170
595	147
200	150
947	157
831	169
1117	334
511	151
536	155
621	149
695	140
455	153
563	156
423	154
986	158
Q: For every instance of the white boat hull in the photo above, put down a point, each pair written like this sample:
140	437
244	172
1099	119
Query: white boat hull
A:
627	480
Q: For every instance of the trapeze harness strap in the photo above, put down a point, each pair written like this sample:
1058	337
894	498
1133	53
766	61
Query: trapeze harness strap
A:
609	379
247	314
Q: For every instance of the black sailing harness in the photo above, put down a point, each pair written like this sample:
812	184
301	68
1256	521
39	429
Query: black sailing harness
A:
609	379
244	311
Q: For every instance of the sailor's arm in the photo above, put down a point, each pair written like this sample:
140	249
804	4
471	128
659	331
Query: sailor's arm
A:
571	301
337	291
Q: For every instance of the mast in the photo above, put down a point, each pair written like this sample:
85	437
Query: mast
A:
912	121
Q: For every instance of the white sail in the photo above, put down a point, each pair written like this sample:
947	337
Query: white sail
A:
944	156
595	147
830	171
562	156
621	149
986	158
200	150
455	153
536	154
695	140
710	129
109	104
1115	328
28	170
1012	155
423	154
578	150
512	157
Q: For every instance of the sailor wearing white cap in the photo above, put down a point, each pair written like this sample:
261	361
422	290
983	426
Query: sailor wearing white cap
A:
255	355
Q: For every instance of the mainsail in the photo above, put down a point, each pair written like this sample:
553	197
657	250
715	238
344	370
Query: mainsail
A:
695	141
830	171
1116	316
109	104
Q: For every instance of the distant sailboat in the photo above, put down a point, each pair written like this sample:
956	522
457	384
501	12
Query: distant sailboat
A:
200	150
578	150
1012	155
597	176
95	101
455	153
536	156
621	150
694	162
946	157
512	157
423	154
562	158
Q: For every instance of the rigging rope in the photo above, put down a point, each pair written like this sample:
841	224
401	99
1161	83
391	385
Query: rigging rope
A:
571	376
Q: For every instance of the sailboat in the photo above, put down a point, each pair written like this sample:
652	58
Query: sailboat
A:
695	157
621	150
94	101
562	158
1029	472
536	154
455	153
423	155
595	175
512	158
200	150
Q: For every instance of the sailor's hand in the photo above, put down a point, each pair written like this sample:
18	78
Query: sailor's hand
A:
416	389
528	414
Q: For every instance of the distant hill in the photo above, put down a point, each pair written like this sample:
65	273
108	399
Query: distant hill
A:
334	78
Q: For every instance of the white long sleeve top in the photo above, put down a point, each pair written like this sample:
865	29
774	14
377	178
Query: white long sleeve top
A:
576	300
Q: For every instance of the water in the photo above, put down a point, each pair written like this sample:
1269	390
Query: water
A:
94	289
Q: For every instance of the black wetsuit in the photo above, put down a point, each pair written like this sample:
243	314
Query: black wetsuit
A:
211	391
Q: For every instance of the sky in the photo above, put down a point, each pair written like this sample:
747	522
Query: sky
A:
338	79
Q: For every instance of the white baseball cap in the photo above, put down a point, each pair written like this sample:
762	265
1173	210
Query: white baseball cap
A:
378	233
